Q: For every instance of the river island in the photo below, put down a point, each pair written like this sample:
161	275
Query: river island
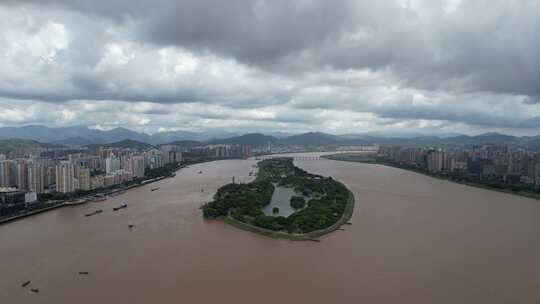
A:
320	204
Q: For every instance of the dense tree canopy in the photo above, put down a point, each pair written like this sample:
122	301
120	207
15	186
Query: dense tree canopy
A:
244	202
298	202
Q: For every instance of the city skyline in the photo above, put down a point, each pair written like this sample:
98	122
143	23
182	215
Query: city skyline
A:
423	66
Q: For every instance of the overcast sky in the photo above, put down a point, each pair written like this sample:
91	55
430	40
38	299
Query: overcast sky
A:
432	66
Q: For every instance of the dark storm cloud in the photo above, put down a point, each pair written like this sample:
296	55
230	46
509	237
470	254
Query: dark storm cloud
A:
256	32
483	47
115	10
251	31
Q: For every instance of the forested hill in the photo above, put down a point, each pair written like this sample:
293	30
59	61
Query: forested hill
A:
8	145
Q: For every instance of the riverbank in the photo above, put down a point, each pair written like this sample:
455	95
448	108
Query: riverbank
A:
65	203
509	189
30	213
89	197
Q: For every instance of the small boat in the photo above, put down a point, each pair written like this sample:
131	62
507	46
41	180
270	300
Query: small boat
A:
154	189
94	213
130	226
34	290
348	223
83	272
120	207
315	240
200	172
25	284
76	202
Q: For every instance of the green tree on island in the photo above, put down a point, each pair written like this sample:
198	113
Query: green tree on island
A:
245	202
298	202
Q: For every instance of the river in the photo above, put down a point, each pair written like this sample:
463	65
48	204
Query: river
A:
413	239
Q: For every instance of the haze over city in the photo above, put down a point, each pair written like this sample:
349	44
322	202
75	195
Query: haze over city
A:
430	67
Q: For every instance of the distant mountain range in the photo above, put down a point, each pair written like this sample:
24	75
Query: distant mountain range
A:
123	144
254	139
316	139
84	136
323	139
81	136
530	142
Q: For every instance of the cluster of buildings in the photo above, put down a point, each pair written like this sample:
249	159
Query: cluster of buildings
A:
24	174
85	170
218	151
504	163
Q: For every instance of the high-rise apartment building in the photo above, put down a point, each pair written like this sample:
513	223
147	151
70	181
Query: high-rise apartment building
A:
84	179
6	171
22	175
65	177
36	178
112	164
137	166
436	161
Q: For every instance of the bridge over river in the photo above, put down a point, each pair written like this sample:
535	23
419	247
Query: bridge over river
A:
304	157
294	157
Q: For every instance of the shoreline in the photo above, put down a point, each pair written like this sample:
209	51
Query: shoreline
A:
66	204
30	213
531	195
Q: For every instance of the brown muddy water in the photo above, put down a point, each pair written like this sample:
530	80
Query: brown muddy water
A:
414	239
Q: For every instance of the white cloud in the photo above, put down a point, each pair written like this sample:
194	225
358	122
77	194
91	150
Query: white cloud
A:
429	65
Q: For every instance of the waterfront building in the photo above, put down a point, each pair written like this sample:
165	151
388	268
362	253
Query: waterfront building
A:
30	197
50	176
97	181
36	178
6	169
112	164
456	165
65	177
83	178
11	196
137	166
153	159
435	161
22	175
95	163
